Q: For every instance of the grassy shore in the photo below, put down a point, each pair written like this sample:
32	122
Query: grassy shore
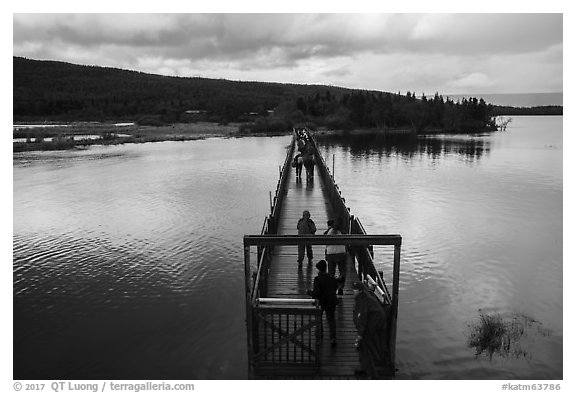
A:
110	134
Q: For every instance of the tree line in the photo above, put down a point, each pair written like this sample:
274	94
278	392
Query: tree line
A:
49	90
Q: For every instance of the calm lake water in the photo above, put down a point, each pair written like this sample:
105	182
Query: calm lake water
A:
128	260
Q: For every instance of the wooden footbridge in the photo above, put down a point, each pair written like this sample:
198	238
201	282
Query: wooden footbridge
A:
283	323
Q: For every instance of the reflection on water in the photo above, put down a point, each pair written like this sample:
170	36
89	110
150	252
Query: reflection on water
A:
481	220
434	147
128	260
75	137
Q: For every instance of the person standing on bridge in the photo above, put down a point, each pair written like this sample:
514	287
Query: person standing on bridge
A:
324	289
336	255
305	226
370	320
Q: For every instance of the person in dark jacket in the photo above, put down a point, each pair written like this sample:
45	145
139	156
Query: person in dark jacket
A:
298	162
305	226
308	160
301	143
370	320
325	291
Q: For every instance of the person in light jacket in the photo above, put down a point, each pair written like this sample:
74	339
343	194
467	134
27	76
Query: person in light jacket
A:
336	255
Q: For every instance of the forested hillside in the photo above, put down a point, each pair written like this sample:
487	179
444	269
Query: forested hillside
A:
56	89
49	90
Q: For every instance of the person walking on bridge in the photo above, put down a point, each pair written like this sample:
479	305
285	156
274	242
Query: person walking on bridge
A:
298	162
301	143
305	226
324	289
308	160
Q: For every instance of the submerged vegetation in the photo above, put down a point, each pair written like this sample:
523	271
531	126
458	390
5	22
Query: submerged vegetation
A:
502	122
503	336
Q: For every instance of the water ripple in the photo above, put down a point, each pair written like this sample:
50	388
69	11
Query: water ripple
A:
128	260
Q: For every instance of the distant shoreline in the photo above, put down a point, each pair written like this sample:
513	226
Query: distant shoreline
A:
69	136
517	100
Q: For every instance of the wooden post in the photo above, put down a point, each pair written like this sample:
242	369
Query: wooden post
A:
395	287
271	205
348	218
318	338
333	155
249	320
264	278
352	228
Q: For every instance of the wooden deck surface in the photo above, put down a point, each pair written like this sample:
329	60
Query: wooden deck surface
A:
286	280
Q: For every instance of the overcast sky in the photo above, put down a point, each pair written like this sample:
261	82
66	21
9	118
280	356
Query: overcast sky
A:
424	53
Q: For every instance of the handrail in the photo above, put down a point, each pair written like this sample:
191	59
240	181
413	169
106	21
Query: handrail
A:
281	185
360	225
380	281
260	262
276	300
337	199
264	226
385	296
381	284
267	226
292	240
338	202
255	289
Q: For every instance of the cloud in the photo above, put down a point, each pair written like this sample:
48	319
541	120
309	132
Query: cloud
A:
487	33
472	81
419	50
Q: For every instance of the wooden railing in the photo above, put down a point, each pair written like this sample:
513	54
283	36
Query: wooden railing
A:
281	336
365	262
364	254
270	226
334	194
286	336
278	199
254	311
